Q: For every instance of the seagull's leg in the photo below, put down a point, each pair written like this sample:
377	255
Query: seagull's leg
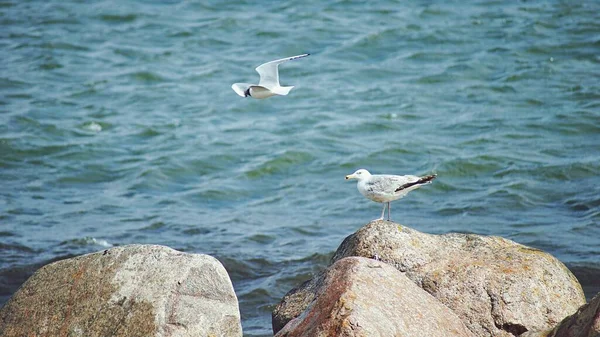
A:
389	210
382	212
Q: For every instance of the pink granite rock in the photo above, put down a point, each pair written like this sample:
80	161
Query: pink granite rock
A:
136	290
496	286
363	297
584	323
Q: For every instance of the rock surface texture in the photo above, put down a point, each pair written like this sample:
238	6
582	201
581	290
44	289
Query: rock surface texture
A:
496	286
136	290
364	297
584	323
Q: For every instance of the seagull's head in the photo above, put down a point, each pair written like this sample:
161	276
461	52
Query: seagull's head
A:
359	175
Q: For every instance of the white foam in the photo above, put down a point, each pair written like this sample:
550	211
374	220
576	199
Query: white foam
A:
93	126
100	242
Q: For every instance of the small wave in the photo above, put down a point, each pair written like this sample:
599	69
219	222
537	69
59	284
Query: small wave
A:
433	79
87	241
196	231
15	247
463	210
269	34
50	66
155	226
146	76
61	21
239	269
102	243
183	33
92	126
435	12
149	133
471	167
63	46
116	18
513	197
587	202
262	238
129	53
280	164
6	233
216	195
8	83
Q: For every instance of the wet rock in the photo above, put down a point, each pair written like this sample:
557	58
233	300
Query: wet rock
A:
364	297
496	286
136	290
584	323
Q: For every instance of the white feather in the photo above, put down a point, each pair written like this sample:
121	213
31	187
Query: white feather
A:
269	80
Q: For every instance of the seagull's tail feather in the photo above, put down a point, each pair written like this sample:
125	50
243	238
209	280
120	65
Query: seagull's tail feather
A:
282	90
422	180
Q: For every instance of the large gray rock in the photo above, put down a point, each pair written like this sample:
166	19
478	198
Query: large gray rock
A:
584	323
363	297
136	290
496	286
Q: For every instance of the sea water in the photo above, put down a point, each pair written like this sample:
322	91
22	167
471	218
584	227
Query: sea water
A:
118	125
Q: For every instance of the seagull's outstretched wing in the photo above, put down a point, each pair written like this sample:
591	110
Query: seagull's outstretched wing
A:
269	72
240	88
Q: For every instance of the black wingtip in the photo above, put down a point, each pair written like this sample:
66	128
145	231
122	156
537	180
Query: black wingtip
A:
422	180
427	179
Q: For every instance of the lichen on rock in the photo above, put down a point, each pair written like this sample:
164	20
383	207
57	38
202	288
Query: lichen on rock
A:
135	290
496	286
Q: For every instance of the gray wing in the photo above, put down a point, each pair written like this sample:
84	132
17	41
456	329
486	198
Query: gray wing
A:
389	183
269	72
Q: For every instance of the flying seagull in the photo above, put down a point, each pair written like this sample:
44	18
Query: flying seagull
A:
269	81
386	188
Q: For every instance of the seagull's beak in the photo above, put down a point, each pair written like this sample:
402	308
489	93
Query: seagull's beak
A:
350	176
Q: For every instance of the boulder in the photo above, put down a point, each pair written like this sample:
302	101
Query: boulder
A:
136	290
295	302
364	297
496	286
584	323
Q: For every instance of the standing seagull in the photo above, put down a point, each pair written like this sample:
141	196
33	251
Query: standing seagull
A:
269	81
386	188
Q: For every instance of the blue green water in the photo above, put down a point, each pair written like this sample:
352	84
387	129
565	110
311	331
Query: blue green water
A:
118	125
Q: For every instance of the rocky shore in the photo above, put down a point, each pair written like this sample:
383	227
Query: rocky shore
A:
135	290
384	280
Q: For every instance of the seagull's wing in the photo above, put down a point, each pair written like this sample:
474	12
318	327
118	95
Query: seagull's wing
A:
412	183
269	72
240	88
389	183
282	90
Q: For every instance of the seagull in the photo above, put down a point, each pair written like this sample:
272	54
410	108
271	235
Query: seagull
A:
386	188
269	81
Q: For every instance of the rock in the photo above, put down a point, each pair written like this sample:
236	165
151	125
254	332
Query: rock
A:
295	302
136	290
496	286
584	323
364	297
